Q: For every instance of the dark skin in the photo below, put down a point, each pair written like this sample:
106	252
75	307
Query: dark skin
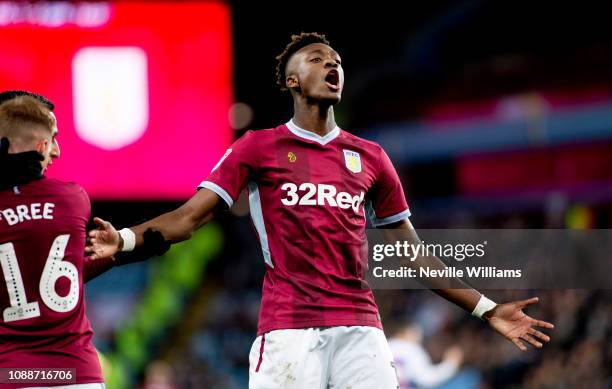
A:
508	319
314	97
315	78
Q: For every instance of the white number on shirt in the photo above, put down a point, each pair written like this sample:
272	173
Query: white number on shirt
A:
291	189
55	268
311	190
20	308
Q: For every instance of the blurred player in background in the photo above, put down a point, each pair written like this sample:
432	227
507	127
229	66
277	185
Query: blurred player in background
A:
310	184
412	362
42	240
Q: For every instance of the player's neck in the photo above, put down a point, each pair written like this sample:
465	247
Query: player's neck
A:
314	118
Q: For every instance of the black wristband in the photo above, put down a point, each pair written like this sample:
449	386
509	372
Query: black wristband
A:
154	245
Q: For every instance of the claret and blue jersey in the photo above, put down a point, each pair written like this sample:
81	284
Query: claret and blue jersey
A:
43	320
309	196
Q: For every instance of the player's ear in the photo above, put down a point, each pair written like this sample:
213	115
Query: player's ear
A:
292	82
42	145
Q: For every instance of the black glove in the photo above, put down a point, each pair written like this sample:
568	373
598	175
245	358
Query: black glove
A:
19	168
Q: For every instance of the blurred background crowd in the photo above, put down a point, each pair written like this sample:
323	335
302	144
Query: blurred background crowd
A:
495	114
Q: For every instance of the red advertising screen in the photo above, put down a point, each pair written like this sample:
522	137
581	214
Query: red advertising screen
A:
142	89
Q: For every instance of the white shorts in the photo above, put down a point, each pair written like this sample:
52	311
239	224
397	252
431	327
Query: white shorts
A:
355	357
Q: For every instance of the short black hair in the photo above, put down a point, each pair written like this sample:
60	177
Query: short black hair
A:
297	42
11	94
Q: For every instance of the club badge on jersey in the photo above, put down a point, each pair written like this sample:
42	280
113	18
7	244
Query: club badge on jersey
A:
352	161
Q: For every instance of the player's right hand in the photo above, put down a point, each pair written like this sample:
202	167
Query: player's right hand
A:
104	241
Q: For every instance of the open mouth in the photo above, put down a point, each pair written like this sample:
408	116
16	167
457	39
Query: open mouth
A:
332	80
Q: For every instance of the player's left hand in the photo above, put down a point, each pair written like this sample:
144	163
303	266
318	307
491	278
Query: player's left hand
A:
104	241
509	320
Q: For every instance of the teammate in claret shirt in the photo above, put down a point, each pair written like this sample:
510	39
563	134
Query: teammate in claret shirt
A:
311	186
42	240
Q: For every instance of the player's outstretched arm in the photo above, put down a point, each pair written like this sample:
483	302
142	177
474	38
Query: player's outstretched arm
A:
508	319
174	226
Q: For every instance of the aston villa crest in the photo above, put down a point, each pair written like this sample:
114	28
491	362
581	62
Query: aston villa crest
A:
352	161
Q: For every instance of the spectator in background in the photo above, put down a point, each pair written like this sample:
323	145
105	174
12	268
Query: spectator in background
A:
159	375
413	363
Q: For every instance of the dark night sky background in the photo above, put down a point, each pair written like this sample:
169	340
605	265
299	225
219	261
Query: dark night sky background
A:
400	57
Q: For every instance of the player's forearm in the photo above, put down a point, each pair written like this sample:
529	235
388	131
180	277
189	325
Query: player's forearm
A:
464	298
175	226
452	289
180	224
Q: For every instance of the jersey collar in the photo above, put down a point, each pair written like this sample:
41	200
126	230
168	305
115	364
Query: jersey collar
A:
302	133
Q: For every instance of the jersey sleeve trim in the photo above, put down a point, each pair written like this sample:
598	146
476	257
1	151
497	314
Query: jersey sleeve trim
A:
376	222
218	190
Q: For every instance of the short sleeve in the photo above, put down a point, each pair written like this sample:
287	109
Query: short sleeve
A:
85	202
233	171
80	201
387	203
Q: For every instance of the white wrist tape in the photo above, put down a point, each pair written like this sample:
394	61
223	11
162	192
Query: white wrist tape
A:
484	305
129	239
